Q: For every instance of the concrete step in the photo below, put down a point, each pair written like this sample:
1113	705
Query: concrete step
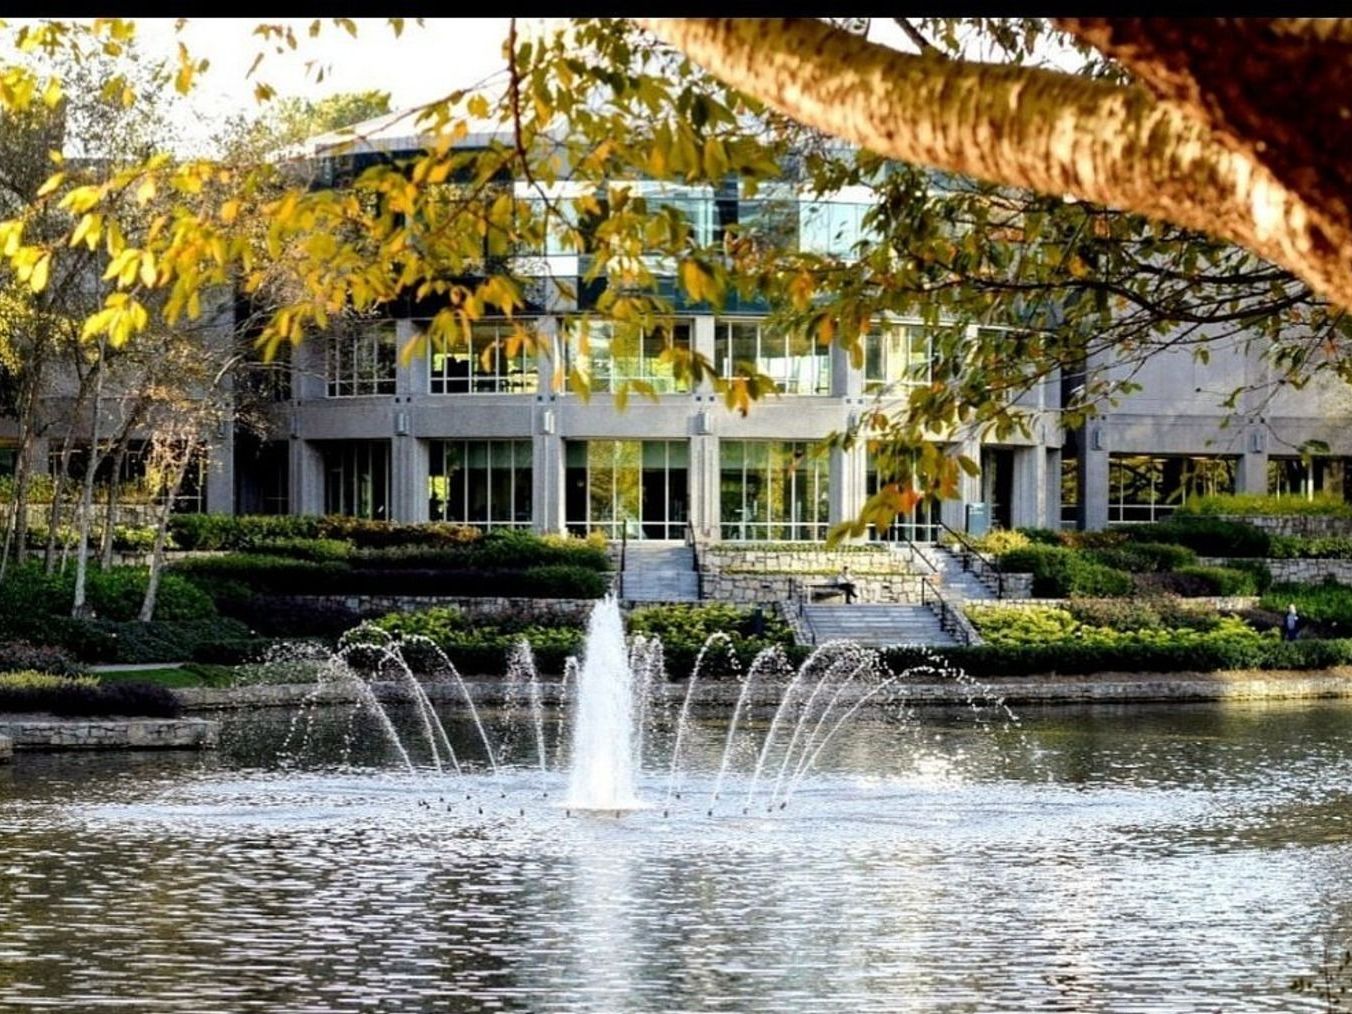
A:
876	625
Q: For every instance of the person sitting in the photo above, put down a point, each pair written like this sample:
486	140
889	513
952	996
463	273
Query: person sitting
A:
1291	623
846	584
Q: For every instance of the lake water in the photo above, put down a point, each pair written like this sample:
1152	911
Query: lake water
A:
1154	859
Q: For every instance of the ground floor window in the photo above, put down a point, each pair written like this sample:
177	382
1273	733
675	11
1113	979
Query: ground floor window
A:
1308	477
1144	488
921	524
638	489
357	478
485	483
773	490
262	475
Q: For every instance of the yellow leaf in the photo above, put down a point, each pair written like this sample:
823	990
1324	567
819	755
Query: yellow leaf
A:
51	183
37	281
148	269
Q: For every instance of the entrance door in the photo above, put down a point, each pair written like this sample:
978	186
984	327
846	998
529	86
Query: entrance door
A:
997	484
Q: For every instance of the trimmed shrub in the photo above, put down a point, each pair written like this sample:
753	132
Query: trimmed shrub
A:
18	656
1206	536
288	616
84	696
226	531
1267	505
1319	547
261	572
1059	573
317	550
364	533
1042	536
1261	573
1222	580
1144	557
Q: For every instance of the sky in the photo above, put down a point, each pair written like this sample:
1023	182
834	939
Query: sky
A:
440	56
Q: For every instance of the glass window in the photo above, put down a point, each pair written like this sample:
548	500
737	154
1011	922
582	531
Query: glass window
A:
795	363
897	354
633	488
357	478
610	354
1327	476
830	227
486	483
362	363
1143	488
772	490
495	360
921	524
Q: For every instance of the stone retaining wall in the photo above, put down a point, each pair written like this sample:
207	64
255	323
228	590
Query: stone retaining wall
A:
760	586
531	610
1292	524
1296	571
1106	688
722	557
1221	603
110	733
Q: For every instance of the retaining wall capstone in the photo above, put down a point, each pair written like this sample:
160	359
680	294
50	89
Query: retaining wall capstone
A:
110	733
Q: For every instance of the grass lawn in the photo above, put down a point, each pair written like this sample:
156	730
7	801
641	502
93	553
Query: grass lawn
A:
190	675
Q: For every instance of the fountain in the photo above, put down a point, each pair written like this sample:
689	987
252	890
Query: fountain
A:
617	746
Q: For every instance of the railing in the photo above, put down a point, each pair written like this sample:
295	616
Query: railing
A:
969	551
951	619
693	543
624	550
798	602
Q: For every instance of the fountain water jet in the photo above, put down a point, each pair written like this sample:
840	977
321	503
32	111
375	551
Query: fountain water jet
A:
602	772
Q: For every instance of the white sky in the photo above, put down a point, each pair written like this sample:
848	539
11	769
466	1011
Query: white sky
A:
427	62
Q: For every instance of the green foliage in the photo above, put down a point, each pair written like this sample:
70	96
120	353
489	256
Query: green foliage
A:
1221	580
1257	569
1144	557
115	594
1316	547
1001	540
1059	572
84	696
317	550
228	531
1323	505
1164	612
1327	603
553	582
363	533
695	623
1099	623
23	655
1205	535
1042	536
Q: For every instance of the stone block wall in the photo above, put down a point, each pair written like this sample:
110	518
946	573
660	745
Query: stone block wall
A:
1294	524
758	586
111	733
1296	571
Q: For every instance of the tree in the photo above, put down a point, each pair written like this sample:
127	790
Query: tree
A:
591	111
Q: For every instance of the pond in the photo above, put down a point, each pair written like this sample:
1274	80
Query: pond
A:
1181	858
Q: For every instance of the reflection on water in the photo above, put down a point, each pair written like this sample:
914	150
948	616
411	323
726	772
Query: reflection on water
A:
1130	859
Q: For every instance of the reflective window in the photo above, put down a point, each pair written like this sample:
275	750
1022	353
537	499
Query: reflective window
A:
485	483
795	363
357	478
1144	488
362	362
772	491
638	489
827	227
897	354
921	524
494	360
609	355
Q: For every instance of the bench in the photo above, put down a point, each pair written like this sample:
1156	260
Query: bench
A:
819	592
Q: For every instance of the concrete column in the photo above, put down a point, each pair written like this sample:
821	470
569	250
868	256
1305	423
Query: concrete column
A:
849	484
409	377
1029	506
221	470
954	512
408	477
846	381
702	342
1053	519
1093	510
547	477
306	478
1251	476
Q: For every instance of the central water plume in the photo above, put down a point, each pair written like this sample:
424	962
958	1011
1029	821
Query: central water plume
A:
602	773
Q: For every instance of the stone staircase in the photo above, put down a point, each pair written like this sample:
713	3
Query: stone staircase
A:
949	573
876	625
659	572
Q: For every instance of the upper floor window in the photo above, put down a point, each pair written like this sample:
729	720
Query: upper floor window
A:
610	355
494	360
897	354
362	362
794	361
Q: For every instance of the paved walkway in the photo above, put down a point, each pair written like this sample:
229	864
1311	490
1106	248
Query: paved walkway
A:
659	572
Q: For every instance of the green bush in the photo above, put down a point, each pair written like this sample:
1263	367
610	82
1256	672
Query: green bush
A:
1042	536
364	533
1206	536
1259	570
317	550
227	531
1221	580
495	551
135	539
84	696
1059	572
1319	547
1144	557
1267	505
261	572
1327	603
115	594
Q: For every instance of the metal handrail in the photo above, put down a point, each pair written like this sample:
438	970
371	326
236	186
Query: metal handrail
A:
798	598
694	553
970	550
948	614
624	549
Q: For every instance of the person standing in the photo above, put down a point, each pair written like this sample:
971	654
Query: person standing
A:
1291	623
845	583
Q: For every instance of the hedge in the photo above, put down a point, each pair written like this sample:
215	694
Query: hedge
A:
1267	505
1059	573
84	696
995	661
113	594
1144	557
1207	536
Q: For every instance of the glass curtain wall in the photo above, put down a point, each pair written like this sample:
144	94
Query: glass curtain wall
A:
1305	478
357	478
772	490
361	363
794	362
638	489
896	355
485	483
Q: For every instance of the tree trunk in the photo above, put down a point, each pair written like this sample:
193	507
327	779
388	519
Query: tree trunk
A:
78	607
162	533
1056	133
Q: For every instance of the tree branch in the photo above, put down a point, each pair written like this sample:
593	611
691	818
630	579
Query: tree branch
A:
1026	127
916	35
